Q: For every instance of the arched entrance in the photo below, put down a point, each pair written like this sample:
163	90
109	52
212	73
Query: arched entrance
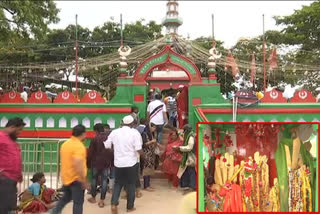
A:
181	70
170	70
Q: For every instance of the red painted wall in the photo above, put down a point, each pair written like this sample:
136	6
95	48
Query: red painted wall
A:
166	85
247	145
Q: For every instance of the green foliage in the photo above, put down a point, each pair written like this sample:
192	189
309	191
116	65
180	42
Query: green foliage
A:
26	18
24	23
206	42
142	32
300	29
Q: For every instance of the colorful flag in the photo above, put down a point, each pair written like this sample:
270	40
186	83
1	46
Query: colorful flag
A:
231	63
273	60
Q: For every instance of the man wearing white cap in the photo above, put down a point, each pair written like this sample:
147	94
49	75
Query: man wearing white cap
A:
127	145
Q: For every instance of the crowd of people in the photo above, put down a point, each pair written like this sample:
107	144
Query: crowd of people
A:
115	160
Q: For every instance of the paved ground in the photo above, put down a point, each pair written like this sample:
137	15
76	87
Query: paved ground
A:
165	200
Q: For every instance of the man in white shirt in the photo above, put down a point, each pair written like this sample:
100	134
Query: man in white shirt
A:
157	114
127	144
24	94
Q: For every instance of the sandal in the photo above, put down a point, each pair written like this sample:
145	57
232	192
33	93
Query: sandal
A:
101	204
149	189
138	194
131	210
114	209
92	200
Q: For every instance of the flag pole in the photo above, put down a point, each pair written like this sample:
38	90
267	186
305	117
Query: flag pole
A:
264	57
121	36
254	77
212	17
76	60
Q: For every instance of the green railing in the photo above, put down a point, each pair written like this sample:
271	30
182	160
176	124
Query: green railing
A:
40	155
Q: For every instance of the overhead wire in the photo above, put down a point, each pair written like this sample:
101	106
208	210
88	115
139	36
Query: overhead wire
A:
140	52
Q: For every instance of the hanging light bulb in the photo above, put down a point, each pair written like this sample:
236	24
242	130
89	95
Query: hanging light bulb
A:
13	71
57	69
29	71
44	69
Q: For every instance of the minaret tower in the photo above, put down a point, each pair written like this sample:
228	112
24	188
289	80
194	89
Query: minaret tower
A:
172	21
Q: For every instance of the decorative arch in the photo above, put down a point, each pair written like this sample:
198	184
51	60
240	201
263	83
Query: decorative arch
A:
303	96
92	97
65	97
274	96
39	97
12	97
167	56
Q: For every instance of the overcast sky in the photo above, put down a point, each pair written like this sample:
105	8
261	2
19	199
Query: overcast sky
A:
232	19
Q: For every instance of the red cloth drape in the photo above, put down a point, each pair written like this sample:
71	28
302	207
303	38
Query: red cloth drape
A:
231	63
273	60
253	68
182	107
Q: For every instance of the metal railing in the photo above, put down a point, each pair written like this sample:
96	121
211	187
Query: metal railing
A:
40	155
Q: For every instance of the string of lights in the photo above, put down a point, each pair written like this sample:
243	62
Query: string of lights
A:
139	53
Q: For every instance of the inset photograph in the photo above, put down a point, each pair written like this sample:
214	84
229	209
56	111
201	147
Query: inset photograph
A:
257	167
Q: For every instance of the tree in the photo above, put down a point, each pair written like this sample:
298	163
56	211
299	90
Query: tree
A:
24	23
25	19
206	42
140	32
302	27
302	31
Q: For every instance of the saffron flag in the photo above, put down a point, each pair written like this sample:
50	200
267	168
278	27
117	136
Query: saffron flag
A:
231	63
273	61
253	68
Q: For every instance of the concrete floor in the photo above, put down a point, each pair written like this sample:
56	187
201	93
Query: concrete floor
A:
165	200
